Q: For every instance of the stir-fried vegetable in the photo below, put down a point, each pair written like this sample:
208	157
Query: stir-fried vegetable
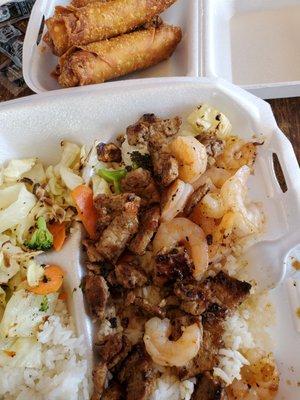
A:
113	176
83	199
58	232
52	281
41	239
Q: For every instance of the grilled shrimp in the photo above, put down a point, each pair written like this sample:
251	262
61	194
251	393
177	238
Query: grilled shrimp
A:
182	230
212	205
171	353
191	156
260	380
248	217
236	154
214	175
176	198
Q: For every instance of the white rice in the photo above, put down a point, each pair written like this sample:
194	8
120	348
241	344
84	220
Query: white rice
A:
169	387
64	370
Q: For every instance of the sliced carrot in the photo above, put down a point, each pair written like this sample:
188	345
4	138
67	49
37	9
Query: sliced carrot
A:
58	231
63	296
83	198
53	279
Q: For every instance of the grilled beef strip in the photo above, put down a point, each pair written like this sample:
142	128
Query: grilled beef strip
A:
113	392
140	182
208	388
221	289
149	223
138	374
96	294
113	350
128	272
207	357
171	266
99	378
120	230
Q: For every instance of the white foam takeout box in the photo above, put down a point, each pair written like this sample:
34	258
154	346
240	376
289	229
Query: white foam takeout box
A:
35	126
252	43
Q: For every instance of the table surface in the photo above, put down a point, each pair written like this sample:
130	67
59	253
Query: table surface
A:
286	111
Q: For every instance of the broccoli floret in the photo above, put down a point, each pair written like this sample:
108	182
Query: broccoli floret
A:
44	304
41	239
113	176
141	160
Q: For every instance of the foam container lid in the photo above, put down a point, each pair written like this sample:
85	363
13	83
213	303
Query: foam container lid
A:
252	43
35	126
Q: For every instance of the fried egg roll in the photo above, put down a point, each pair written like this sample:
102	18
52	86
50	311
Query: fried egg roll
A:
82	3
96	21
101	61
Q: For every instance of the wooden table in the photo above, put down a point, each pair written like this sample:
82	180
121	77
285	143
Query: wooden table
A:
287	114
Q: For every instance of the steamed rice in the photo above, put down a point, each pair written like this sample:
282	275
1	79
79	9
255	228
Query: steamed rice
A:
64	368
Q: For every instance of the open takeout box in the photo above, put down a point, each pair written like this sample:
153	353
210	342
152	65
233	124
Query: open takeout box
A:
252	43
36	124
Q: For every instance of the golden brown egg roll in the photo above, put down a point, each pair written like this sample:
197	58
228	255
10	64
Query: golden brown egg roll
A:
96	21
82	3
101	61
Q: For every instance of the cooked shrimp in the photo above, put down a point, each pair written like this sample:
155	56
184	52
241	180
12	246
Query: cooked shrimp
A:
182	230
248	217
176	198
171	353
260	380
191	156
215	176
236	154
212	205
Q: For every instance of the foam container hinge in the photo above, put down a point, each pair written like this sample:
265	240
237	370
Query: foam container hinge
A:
39	62
35	126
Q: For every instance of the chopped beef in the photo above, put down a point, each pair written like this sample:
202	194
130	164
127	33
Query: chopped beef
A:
128	274
123	226
138	374
195	198
208	388
149	223
109	152
214	146
96	294
108	208
99	379
172	266
113	392
149	308
165	168
138	133
221	289
228	291
207	357
91	251
157	133
140	182
113	350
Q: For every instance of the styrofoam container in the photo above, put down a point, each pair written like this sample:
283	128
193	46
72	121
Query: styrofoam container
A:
34	126
254	44
39	62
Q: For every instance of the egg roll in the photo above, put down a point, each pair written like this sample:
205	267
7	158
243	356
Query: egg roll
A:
96	21
101	61
82	3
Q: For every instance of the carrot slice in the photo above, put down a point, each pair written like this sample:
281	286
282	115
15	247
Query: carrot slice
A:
58	231
53	279
83	198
